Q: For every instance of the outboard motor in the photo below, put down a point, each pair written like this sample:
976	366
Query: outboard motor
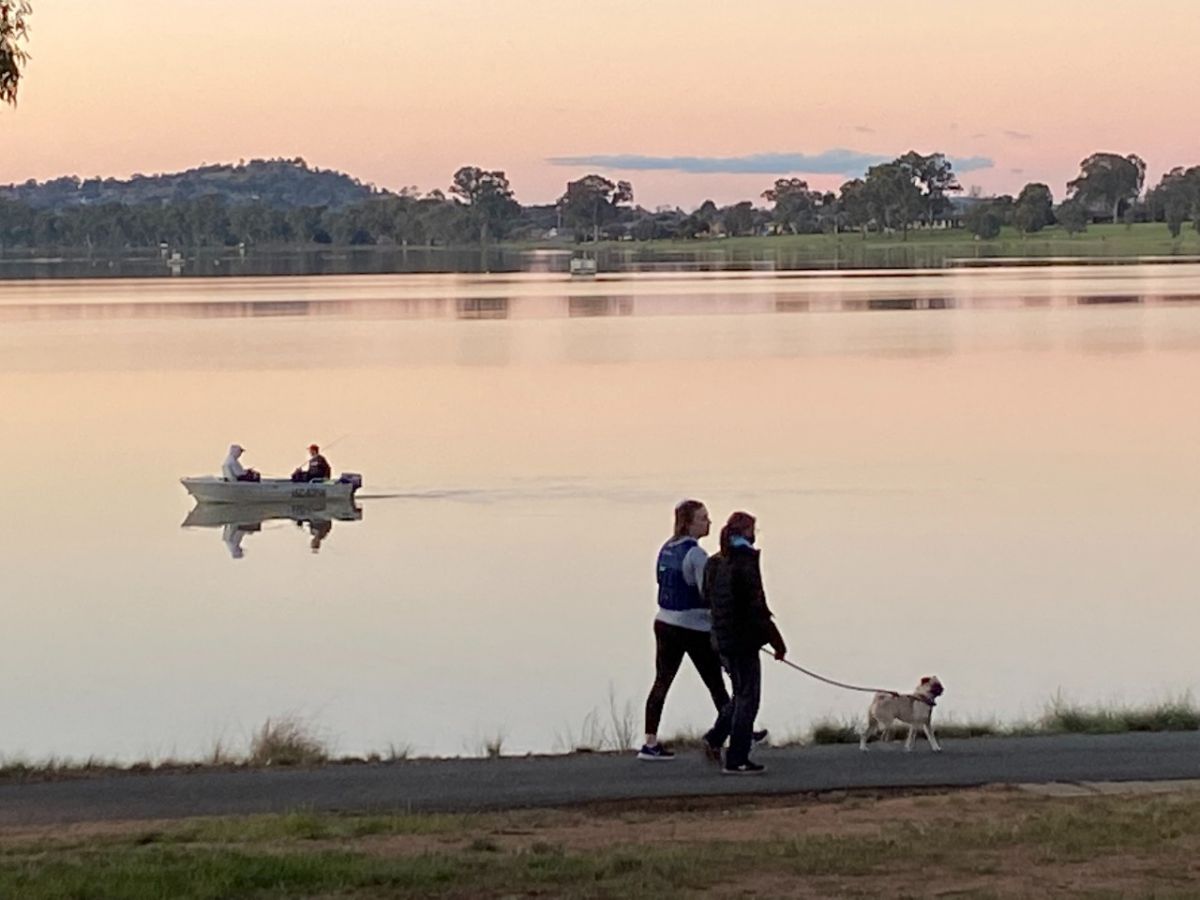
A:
351	478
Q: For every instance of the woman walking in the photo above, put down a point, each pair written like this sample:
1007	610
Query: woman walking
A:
683	624
742	624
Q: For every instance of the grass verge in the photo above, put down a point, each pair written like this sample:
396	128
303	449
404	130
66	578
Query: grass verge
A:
994	842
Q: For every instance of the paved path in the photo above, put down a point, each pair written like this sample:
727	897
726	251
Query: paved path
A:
468	784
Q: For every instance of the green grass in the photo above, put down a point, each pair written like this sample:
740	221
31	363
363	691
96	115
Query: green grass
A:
270	857
935	248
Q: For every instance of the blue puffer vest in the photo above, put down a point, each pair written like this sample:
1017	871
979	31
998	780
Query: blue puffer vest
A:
673	592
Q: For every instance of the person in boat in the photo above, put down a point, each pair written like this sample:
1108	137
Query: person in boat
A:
317	469
233	470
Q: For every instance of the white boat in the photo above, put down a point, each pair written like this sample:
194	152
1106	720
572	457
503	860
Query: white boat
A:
214	489
582	267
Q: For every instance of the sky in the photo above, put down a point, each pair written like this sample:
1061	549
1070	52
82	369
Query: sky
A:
687	99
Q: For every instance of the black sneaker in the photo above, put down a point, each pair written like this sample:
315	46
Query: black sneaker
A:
759	737
655	753
746	768
711	753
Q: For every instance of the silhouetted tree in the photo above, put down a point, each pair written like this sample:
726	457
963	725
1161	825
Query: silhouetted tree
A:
490	198
1108	178
1034	208
13	35
592	201
934	179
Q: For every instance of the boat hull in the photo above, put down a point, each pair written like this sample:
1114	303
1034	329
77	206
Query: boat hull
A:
209	489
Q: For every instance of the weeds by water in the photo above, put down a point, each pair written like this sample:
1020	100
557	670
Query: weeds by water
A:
614	729
1174	714
286	741
1061	716
290	741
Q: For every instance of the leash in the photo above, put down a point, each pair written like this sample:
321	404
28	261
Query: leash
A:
849	687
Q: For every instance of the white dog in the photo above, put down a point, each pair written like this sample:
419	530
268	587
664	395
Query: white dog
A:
915	710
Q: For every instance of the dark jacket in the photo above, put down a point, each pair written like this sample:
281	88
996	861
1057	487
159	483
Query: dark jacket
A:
318	468
733	588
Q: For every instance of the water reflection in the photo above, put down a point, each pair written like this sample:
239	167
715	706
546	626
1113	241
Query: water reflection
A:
482	308
599	306
552	295
236	520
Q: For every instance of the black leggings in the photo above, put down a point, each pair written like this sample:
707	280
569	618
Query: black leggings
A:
671	643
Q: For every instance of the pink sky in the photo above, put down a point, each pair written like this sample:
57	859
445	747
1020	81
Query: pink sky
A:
403	92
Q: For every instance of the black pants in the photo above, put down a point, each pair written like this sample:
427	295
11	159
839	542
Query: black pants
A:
736	719
671	643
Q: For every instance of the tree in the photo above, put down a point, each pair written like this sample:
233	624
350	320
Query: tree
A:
1178	195
933	176
1108	178
13	34
984	220
892	195
593	200
489	196
708	214
1034	209
738	219
1073	216
796	206
855	204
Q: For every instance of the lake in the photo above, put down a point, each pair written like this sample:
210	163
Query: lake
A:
985	474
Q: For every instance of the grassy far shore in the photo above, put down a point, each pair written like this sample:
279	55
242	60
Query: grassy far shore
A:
990	842
289	741
924	246
934	248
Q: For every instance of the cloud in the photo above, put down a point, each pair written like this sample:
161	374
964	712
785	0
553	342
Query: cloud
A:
972	163
838	161
1017	135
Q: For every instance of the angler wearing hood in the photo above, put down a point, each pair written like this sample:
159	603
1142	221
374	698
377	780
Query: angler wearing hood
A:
233	470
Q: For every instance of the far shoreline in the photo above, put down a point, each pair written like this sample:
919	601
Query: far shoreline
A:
1104	244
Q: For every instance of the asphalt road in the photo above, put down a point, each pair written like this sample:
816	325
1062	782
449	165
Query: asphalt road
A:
459	785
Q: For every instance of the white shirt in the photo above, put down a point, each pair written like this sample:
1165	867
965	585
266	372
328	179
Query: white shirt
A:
693	574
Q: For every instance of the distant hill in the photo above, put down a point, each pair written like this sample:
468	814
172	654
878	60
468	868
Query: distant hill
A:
281	183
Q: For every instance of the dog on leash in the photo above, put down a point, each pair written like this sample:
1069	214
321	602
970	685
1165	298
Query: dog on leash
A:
915	710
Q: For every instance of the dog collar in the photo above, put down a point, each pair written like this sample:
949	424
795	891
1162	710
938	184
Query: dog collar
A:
924	698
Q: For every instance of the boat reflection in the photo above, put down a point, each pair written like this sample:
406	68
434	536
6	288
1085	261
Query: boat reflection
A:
236	520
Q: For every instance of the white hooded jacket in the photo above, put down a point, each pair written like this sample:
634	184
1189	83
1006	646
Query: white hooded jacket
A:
231	469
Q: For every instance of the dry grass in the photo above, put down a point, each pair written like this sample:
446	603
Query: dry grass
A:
287	741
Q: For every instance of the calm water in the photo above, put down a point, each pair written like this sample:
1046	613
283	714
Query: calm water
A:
1002	489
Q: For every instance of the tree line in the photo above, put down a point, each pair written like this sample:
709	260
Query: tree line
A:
911	190
267	202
